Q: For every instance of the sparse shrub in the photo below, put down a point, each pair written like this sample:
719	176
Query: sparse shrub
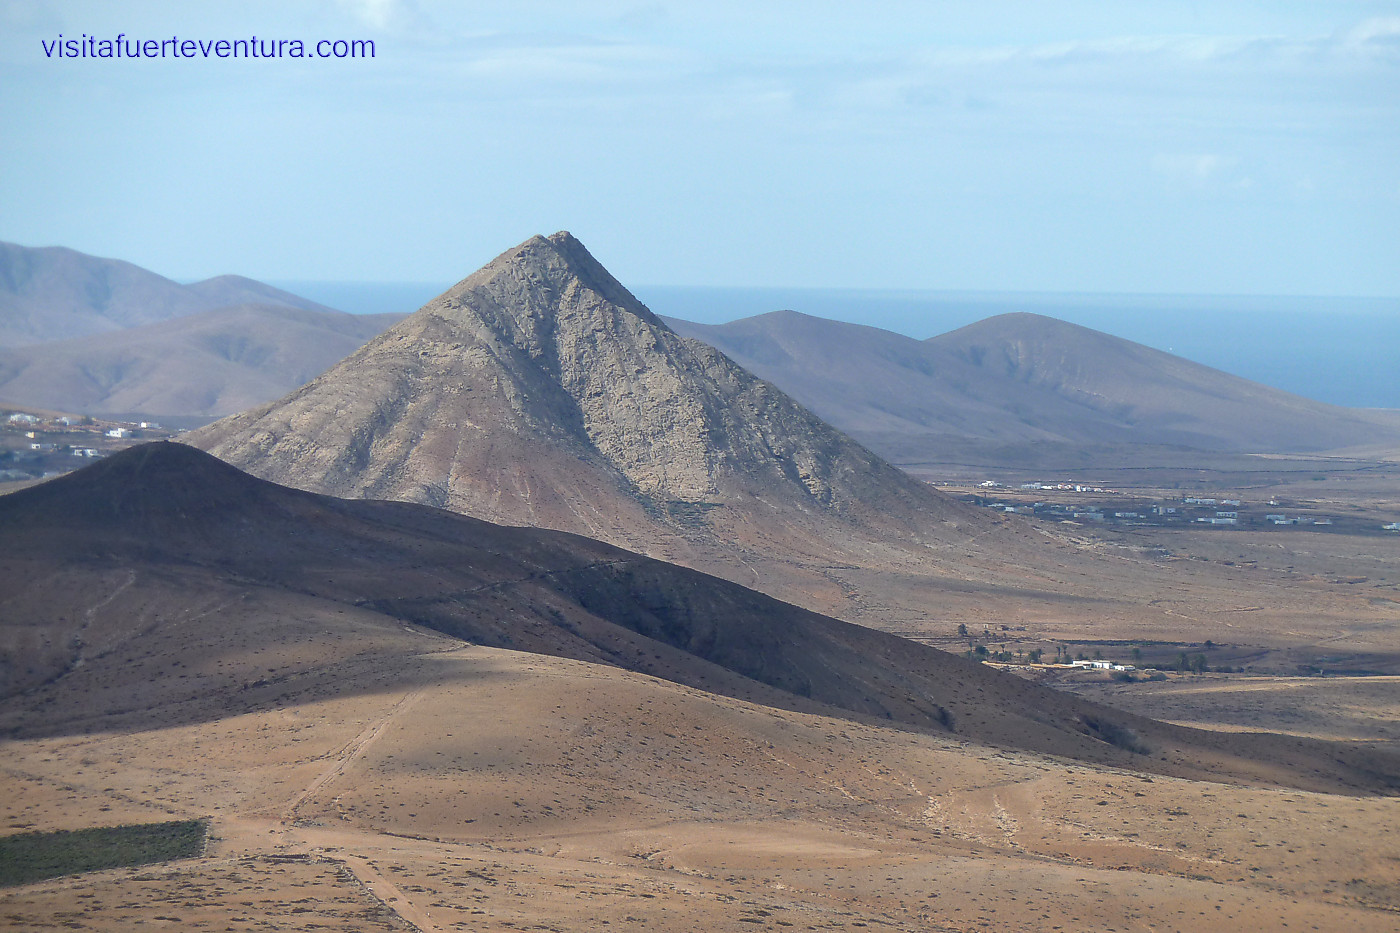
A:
1115	734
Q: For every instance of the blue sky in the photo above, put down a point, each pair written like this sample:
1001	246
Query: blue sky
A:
1157	147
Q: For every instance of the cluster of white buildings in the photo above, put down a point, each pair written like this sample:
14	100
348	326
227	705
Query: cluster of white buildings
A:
1065	487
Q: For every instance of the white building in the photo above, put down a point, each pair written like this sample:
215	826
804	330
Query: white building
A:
1103	665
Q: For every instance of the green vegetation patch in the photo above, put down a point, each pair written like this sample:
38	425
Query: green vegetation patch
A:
36	856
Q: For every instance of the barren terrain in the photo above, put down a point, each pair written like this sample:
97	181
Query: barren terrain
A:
1353	709
511	791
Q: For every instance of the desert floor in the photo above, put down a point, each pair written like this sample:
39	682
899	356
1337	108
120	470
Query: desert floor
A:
516	792
1356	709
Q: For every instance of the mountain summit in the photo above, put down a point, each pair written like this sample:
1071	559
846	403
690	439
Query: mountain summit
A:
540	391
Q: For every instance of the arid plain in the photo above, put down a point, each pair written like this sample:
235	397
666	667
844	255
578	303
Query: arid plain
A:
483	789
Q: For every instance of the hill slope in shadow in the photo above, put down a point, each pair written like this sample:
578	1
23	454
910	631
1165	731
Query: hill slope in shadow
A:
161	585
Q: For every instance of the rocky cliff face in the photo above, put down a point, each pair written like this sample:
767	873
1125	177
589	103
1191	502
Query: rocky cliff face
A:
539	391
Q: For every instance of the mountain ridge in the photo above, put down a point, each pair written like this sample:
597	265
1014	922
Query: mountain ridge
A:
1021	378
54	293
205	364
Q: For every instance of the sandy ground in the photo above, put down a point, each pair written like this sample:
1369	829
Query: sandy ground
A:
1359	709
520	792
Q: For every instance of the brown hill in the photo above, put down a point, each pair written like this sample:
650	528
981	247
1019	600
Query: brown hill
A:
207	364
539	391
1014	382
54	293
162	586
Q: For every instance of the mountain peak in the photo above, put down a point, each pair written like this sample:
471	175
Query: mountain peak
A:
547	277
540	391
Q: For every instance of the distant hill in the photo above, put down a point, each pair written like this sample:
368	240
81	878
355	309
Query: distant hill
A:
202	365
1002	386
54	293
162	586
539	391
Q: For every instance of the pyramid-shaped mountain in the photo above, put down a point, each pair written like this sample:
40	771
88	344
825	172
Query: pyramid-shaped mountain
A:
539	391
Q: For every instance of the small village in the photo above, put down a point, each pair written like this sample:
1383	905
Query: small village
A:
1085	504
36	445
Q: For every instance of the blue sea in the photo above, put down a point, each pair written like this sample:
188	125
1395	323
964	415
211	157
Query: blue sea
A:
1340	350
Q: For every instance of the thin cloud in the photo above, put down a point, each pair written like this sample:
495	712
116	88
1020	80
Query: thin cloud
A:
386	15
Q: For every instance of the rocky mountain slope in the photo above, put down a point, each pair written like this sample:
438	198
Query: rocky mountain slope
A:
54	293
1020	380
539	391
202	365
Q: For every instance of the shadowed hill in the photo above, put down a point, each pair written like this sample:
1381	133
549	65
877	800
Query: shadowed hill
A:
208	364
1021	379
54	293
161	585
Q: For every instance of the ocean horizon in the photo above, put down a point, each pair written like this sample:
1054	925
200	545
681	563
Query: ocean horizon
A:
1340	350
